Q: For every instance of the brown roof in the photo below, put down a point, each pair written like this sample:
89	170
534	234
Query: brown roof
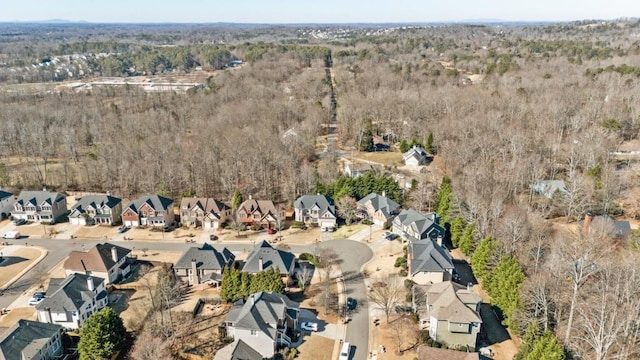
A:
262	206
446	301
98	258
208	205
430	353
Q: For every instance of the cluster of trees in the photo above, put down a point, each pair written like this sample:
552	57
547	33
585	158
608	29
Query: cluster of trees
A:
361	186
238	284
102	336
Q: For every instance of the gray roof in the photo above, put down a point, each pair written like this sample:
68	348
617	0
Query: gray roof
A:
282	260
243	351
548	188
207	258
39	197
71	293
416	152
380	203
95	201
615	228
428	256
26	337
427	225
157	202
323	202
260	312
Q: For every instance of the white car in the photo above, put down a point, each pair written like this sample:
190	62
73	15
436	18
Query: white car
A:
309	326
345	352
11	235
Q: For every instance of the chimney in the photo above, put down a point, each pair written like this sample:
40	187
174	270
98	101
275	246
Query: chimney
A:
194	272
108	193
90	283
260	264
44	188
587	222
114	254
250	197
439	240
384	193
47	315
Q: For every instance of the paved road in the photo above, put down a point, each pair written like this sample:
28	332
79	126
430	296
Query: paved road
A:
353	255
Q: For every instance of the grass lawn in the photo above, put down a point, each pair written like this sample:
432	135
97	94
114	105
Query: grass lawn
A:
345	231
381	157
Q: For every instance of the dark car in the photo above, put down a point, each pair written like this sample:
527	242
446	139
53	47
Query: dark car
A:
351	303
122	229
18	222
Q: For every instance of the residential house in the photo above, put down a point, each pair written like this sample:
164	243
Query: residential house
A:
379	208
7	202
416	156
40	206
69	302
151	210
604	226
429	262
205	212
265	256
106	261
411	225
426	352
96	209
264	322
238	350
259	212
316	210
549	188
199	265
31	340
450	312
357	169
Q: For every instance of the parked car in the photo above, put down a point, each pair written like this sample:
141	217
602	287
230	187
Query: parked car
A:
328	228
37	298
122	229
168	228
213	237
456	277
18	222
11	235
309	326
345	352
351	303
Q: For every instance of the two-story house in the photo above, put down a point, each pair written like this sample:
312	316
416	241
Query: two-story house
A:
149	210
265	256
31	340
40	206
315	210
205	212
379	208
429	262
411	225
264	322
261	212
106	261
204	264
7	200
450	312
96	209
416	156
69	302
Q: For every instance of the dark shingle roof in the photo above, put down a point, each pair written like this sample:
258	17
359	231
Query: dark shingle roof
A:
243	351
380	203
207	257
95	201
28	337
4	194
39	197
424	224
324	203
428	256
70	294
283	261
157	202
260	312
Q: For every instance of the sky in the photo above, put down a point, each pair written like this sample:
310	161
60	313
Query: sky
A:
313	11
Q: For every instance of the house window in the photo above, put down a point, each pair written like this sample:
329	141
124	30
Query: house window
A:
254	332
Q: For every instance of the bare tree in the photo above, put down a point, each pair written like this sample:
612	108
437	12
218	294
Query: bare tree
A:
405	334
347	207
386	292
150	347
304	277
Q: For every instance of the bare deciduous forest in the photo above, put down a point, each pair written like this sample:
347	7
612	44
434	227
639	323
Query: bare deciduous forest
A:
507	106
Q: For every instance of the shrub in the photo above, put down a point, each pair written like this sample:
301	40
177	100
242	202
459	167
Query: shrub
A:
403	272
401	262
367	222
408	284
297	225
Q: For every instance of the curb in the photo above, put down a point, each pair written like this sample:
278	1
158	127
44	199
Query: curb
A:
342	327
43	253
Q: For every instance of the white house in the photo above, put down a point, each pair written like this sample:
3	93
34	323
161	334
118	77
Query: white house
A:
39	206
96	209
415	156
315	210
69	302
31	340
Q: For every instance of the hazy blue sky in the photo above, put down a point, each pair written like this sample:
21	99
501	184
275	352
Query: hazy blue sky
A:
312	11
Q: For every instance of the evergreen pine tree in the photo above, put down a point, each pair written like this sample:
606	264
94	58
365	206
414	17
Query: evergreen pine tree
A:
428	144
444	199
467	241
483	259
457	230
